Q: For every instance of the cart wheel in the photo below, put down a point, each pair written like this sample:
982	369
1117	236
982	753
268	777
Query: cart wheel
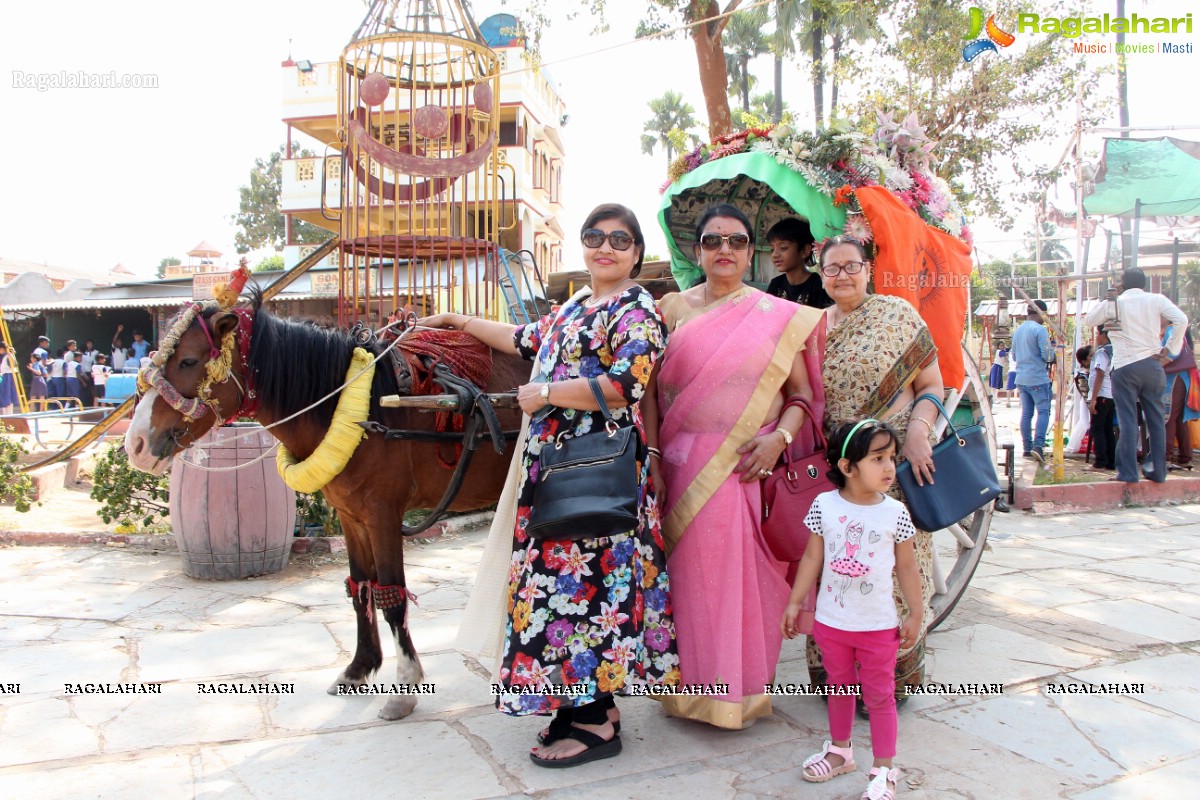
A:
958	549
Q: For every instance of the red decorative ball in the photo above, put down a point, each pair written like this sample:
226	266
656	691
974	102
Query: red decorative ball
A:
374	89
430	122
483	97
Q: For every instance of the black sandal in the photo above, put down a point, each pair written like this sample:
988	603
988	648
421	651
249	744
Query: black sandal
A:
597	749
560	726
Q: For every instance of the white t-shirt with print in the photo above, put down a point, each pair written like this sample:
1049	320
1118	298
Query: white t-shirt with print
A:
855	592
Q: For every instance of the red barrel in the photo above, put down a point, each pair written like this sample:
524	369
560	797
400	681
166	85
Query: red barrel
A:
231	524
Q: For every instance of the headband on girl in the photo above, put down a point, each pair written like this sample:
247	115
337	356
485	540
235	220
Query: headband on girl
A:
853	431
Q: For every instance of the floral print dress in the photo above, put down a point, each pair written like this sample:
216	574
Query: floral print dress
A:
590	617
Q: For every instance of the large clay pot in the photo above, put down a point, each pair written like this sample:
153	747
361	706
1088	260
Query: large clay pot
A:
231	524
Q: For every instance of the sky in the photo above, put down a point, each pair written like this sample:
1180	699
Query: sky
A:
97	177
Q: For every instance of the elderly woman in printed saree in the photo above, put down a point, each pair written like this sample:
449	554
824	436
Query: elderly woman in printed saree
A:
713	419
878	357
590	618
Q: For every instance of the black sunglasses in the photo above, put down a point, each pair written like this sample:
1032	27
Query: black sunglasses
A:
737	241
593	238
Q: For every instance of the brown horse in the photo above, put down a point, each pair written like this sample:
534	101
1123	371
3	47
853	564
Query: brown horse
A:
290	365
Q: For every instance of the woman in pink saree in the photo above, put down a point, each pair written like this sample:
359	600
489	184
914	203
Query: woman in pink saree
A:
713	419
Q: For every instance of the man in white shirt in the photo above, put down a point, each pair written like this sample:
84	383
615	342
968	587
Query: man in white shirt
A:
1137	368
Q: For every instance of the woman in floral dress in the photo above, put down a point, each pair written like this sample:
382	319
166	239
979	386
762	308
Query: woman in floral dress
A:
590	618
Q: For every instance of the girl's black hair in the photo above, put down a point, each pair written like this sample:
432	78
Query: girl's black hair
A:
1083	354
858	447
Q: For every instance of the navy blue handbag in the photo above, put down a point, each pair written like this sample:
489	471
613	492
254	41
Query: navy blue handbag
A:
964	479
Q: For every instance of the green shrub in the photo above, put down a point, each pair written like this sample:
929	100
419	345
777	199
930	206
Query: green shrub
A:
314	509
130	497
15	486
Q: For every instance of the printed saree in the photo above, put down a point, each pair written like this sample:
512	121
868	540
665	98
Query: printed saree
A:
721	371
872	354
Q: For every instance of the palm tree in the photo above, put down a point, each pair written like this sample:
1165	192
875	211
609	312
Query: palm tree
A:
743	41
851	22
671	114
787	14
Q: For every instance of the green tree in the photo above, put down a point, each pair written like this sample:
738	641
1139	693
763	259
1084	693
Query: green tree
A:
980	114
671	124
744	40
761	113
128	495
259	216
661	17
1189	288
169	261
269	264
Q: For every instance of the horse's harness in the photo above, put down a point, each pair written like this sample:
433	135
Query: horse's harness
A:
481	420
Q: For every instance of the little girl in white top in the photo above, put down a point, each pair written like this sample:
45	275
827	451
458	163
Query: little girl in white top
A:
859	535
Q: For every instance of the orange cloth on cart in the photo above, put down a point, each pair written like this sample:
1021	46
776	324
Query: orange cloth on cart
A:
927	267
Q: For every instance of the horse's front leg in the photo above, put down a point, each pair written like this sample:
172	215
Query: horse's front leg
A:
393	598
368	655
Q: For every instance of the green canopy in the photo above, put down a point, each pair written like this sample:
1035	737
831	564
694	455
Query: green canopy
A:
1163	173
764	189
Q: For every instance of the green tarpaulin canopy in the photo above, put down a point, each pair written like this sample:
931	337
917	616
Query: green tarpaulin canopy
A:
1163	173
754	182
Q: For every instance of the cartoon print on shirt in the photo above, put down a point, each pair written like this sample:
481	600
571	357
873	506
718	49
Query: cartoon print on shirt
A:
848	566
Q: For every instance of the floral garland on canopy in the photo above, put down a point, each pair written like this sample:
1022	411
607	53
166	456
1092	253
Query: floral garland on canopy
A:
836	161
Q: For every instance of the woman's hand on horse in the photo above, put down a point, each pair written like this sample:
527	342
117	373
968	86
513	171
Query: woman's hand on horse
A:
454	321
919	453
759	457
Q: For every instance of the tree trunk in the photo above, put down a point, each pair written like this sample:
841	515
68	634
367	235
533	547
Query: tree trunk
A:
745	84
836	53
714	78
818	73
777	105
1123	121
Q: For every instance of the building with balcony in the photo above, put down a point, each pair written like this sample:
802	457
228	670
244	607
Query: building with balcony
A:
530	158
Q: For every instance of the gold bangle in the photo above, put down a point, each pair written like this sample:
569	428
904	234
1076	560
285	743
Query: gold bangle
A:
928	424
466	322
787	437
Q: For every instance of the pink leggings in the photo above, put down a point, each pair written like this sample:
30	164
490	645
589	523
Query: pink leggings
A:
875	652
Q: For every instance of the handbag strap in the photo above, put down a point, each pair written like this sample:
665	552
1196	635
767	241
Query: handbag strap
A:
942	409
810	420
594	385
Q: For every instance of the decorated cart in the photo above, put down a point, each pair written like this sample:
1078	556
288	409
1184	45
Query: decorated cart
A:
882	190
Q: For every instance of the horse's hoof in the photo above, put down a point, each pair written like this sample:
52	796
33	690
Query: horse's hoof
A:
343	683
398	708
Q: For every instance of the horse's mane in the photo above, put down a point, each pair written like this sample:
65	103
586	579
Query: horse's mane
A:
297	362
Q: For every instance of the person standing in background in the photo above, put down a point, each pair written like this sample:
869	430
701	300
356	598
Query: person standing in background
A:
1104	410
1138	359
791	243
118	351
1032	351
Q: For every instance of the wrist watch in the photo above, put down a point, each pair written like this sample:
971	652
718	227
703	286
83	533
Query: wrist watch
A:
545	393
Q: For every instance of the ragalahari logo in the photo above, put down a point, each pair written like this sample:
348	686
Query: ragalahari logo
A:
995	36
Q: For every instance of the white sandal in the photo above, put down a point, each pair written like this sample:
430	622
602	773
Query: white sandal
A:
882	785
822	770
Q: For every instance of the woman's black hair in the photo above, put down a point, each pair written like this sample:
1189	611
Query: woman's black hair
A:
857	448
626	217
834	241
725	210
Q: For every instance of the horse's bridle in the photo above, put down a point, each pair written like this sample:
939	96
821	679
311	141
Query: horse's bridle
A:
218	369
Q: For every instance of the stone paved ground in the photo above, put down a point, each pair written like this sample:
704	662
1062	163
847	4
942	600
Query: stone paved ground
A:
1083	600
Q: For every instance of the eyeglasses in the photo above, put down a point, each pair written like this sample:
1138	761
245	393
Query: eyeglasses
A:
593	238
712	241
849	267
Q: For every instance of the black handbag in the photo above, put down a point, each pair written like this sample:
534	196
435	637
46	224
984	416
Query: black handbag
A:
964	479
587	486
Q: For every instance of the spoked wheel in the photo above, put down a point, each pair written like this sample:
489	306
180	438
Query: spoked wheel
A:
958	549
